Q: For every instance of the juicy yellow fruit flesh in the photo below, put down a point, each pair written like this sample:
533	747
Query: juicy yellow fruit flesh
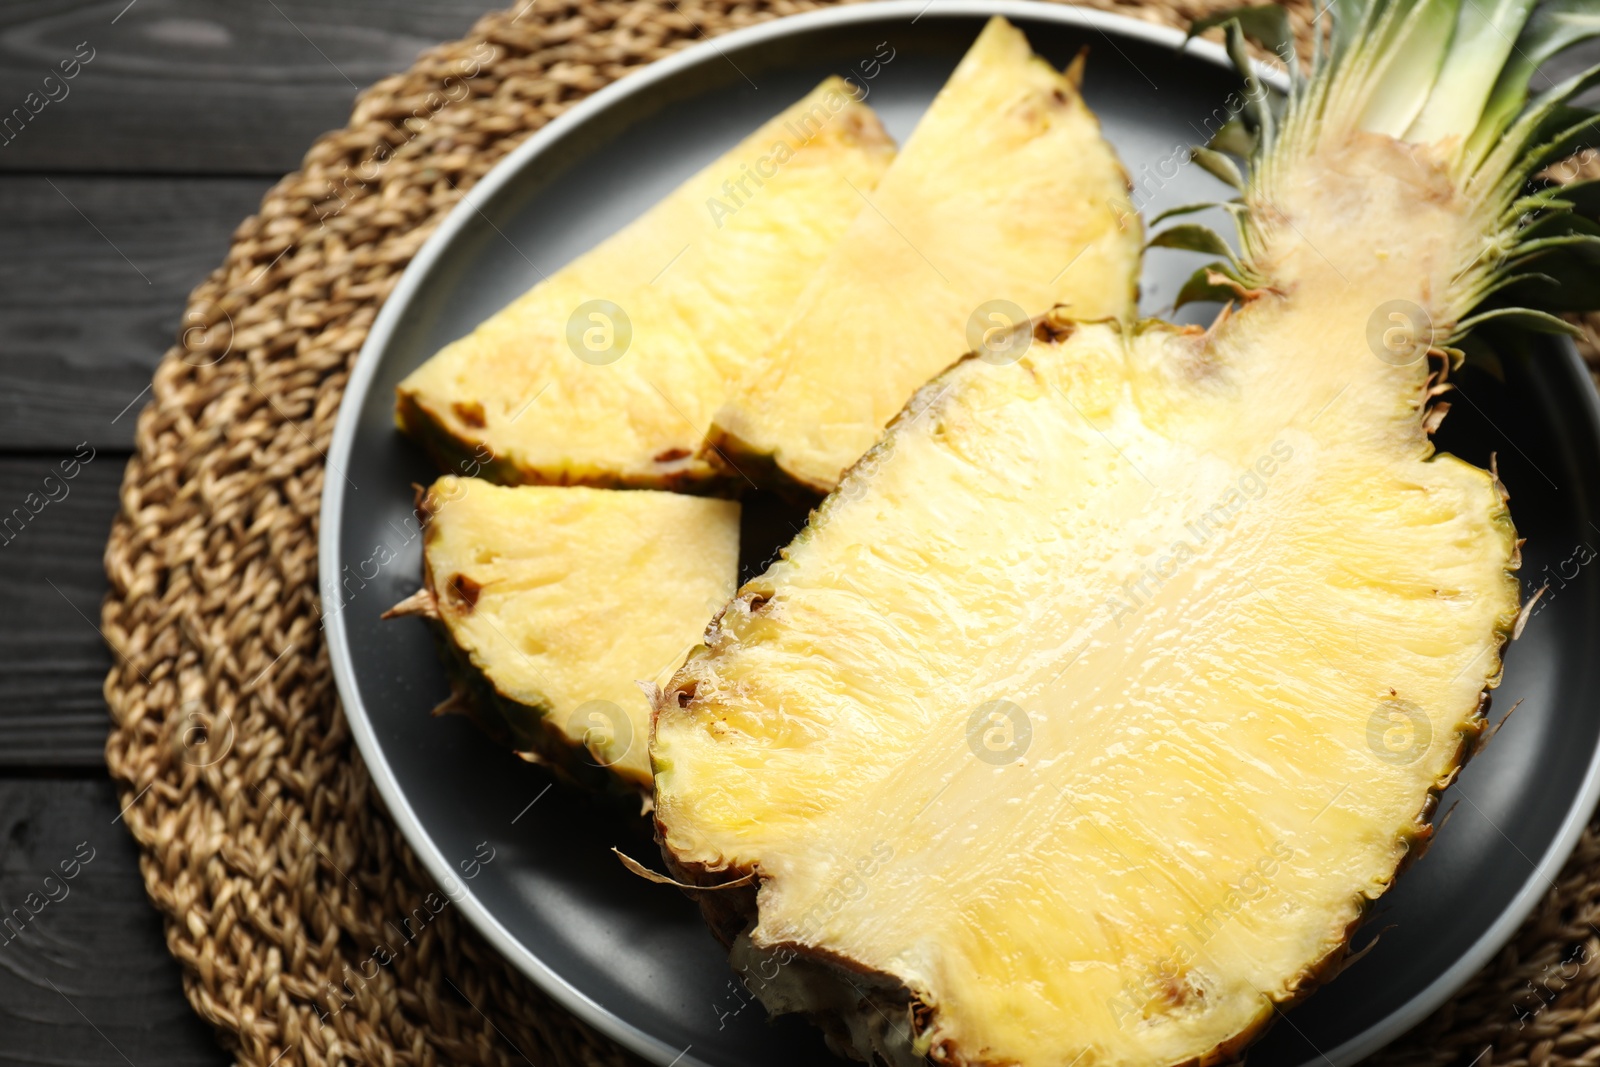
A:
1005	192
565	599
1101	697
559	389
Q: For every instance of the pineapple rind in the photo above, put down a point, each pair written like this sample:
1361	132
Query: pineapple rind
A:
529	730
453	451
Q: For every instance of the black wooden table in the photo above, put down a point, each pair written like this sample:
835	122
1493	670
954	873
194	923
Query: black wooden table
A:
119	187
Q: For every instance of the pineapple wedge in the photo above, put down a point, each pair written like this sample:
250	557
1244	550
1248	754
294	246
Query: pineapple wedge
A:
1004	202
1093	710
607	372
557	604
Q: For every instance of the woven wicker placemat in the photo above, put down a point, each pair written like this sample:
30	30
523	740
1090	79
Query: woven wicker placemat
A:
262	840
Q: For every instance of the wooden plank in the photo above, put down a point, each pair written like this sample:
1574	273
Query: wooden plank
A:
85	977
52	660
94	273
179	86
176	86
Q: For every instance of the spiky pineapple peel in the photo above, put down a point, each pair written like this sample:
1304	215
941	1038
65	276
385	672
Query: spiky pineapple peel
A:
1093	709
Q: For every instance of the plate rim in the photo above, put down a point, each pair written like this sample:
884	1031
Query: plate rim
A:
507	170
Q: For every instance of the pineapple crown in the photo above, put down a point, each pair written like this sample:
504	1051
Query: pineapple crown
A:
1454	76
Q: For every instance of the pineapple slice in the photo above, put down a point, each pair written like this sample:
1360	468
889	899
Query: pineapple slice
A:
1004	202
557	604
1092	711
607	372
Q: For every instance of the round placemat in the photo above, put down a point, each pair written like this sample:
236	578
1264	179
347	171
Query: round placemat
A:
263	843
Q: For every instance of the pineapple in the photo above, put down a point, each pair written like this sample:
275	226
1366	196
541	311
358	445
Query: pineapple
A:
1096	706
607	372
558	607
1004	202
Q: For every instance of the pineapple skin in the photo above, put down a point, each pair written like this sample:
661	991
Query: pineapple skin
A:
713	266
1005	191
583	595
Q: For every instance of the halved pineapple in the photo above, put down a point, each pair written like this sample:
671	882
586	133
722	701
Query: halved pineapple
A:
1096	706
1004	202
607	372
1055	728
558	604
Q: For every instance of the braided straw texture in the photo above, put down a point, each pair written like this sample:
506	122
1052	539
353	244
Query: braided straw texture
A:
262	840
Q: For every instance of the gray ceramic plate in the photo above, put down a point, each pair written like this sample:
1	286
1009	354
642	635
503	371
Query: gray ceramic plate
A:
633	959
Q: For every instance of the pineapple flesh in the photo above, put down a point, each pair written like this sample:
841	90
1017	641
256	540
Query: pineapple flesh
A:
559	607
607	372
1004	201
1094	708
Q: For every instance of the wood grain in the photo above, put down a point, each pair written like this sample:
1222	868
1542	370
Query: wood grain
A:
93	278
190	86
52	660
115	200
84	973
